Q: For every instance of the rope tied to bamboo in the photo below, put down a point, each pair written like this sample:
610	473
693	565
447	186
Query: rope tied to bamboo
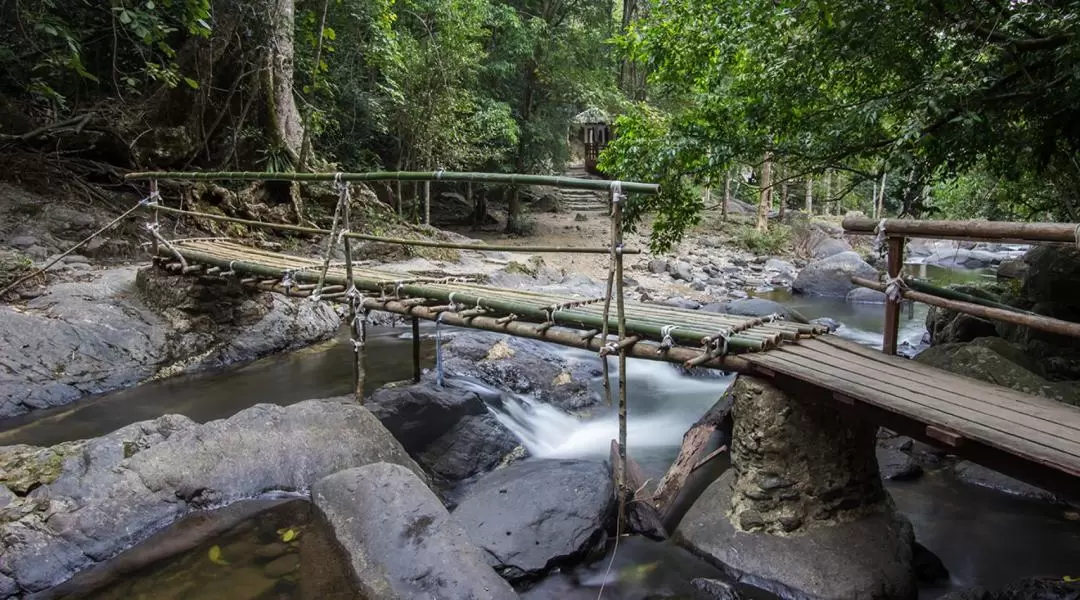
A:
666	341
153	229
616	195
609	348
1076	234
720	341
894	288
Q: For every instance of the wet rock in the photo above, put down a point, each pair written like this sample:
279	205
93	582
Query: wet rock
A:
981	361
271	550
781	266
1032	588
522	366
116	490
279	567
803	512
400	540
125	325
827	322
832	276
863	295
975	474
894	462
535	515
929	570
1012	269
448	430
714	589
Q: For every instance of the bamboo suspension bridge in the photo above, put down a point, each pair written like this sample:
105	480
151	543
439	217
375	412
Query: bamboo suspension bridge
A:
1028	437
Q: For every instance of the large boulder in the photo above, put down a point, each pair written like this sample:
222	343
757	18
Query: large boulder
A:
755	307
123	326
523	366
832	276
400	540
984	360
79	503
448	430
948	326
964	259
803	512
535	515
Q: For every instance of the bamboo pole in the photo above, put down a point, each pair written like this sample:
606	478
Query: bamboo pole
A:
922	286
389	240
616	224
564	337
989	230
1039	322
357	326
520	306
500	178
427	203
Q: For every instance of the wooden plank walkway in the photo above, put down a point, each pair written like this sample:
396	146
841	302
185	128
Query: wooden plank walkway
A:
1028	437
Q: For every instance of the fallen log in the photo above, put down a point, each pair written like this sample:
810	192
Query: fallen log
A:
641	516
690	453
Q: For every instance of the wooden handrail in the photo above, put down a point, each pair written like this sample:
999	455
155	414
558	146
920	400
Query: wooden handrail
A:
968	230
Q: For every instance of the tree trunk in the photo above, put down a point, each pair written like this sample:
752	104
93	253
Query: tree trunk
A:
513	213
727	195
827	209
765	200
284	118
783	197
809	205
879	209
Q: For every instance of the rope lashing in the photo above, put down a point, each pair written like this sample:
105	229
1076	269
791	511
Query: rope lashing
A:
232	270
773	318
438	351
287	281
1076	234
666	342
616	195
721	341
609	348
153	229
894	288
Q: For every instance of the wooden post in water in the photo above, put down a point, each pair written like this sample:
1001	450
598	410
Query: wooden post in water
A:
616	235
892	309
416	349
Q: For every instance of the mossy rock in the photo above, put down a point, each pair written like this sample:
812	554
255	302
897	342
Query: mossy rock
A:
23	468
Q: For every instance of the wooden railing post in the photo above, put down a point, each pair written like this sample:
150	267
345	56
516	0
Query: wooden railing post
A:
894	263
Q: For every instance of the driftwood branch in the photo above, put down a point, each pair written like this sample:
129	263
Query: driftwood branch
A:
690	454
641	517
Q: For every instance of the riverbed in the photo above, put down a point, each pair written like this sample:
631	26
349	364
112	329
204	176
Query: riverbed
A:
982	536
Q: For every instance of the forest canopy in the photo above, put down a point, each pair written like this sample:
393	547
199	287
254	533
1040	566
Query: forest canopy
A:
917	107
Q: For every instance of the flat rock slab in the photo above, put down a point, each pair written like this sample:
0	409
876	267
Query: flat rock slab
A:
865	559
400	540
533	515
80	503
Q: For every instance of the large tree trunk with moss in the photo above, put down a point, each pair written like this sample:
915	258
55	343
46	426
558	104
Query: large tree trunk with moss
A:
285	126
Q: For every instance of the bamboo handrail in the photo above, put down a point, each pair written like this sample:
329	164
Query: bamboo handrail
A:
1040	322
982	230
389	240
503	178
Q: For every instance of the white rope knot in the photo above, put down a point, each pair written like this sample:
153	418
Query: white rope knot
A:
438	174
397	288
616	191
232	270
353	294
609	348
287	280
721	341
774	317
454	306
667	341
894	288
341	236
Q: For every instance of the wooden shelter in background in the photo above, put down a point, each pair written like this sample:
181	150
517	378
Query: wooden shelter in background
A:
592	131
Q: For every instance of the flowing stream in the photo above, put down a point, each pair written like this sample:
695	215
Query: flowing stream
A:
982	536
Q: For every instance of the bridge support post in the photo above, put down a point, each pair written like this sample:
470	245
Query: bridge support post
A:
894	264
802	511
416	349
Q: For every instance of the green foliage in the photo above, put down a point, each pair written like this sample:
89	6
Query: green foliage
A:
64	47
776	240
